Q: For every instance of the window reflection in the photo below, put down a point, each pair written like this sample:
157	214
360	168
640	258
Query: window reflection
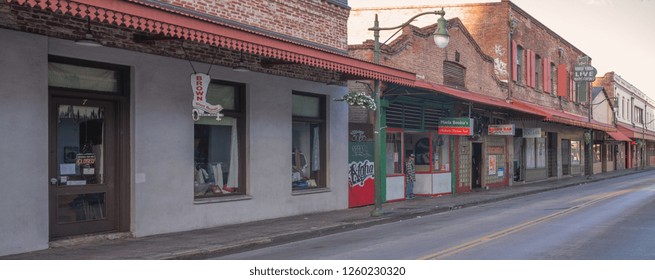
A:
80	149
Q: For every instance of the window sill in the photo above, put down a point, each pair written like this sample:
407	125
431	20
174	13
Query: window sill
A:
310	191
220	199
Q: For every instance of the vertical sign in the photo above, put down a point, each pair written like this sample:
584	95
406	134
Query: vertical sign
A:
361	174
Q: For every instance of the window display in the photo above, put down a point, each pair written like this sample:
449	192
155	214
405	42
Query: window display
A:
440	152
575	152
308	142
217	145
394	153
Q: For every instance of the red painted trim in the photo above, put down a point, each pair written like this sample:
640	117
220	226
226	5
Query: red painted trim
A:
476	97
184	26
514	61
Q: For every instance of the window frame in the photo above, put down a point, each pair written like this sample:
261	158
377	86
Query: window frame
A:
322	180
239	113
520	62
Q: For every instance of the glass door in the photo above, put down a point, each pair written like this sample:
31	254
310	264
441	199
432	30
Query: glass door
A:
82	167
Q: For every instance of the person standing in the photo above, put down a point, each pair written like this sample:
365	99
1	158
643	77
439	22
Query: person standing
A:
410	177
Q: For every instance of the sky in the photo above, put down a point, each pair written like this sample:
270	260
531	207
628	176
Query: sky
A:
619	35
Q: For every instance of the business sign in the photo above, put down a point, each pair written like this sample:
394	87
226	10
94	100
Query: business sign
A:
534	132
455	126
201	108
584	73
361	174
501	129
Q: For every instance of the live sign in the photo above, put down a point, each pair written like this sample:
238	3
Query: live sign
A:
584	73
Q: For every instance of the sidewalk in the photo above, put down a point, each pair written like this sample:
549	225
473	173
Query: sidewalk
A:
200	244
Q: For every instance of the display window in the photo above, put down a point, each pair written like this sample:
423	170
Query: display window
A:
535	153
308	142
394	154
218	144
575	153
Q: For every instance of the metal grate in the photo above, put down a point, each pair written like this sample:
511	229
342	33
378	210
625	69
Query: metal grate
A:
413	116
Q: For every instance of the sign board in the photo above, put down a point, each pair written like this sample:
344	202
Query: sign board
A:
455	126
584	73
501	129
534	132
361	173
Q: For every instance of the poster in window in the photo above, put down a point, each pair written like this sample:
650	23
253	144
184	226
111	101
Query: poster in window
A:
492	165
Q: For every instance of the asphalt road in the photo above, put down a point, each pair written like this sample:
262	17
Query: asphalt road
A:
607	220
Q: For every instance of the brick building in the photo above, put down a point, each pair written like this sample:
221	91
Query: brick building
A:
531	68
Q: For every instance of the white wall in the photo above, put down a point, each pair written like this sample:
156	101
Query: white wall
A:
161	145
23	143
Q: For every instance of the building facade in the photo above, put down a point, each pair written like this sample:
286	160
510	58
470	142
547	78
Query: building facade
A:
509	56
134	118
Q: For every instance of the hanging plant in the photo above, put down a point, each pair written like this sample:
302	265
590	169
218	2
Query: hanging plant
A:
361	99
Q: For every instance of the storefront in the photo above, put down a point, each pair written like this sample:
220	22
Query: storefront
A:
129	139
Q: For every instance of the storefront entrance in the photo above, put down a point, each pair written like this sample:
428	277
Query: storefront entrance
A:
83	169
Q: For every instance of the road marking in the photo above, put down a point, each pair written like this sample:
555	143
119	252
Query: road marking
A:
468	245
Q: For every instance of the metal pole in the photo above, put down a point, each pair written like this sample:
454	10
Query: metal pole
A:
377	137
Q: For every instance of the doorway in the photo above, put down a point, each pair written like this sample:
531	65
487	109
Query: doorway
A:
566	157
552	154
83	168
476	168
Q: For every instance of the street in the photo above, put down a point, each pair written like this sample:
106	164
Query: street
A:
610	219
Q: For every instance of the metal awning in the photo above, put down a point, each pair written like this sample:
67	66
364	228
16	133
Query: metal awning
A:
562	117
618	136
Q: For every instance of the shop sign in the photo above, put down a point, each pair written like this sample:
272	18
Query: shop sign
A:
85	159
455	126
200	84
501	129
584	73
534	132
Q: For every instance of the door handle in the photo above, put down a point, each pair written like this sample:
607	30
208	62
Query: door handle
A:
53	181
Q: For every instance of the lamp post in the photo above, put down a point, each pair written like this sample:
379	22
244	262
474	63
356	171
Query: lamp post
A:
441	39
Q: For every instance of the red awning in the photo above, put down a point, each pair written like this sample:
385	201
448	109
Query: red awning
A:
636	132
618	136
177	24
557	116
476	97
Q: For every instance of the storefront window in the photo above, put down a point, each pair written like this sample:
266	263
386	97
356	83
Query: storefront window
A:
535	152
609	149
217	144
394	154
575	152
440	153
597	152
419	145
308	141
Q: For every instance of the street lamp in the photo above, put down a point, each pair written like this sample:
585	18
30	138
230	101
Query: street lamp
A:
441	39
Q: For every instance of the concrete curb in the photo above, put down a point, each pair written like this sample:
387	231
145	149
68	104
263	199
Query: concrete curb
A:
284	238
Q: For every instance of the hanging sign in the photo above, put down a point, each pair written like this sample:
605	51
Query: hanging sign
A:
200	84
501	129
584	73
534	132
455	126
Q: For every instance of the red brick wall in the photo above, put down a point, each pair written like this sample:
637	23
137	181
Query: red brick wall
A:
415	51
72	28
317	21
488	23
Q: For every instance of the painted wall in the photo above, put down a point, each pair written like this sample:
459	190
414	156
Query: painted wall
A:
162	143
23	143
